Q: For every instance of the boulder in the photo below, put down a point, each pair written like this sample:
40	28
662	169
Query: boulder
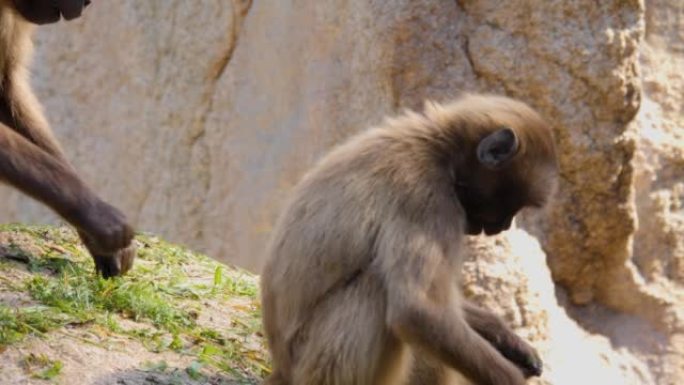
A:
197	118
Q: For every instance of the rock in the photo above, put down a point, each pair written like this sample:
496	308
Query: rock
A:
216	123
507	274
197	119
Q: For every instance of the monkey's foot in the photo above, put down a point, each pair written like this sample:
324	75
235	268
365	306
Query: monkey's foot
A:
524	356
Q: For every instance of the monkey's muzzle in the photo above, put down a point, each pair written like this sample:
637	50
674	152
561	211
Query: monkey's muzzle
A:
475	226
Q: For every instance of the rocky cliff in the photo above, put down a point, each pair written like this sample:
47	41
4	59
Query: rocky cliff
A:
197	117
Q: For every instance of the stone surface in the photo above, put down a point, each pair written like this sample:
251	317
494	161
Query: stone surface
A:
197	117
580	345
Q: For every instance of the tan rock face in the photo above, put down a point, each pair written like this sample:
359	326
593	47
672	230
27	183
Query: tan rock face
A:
508	275
197	117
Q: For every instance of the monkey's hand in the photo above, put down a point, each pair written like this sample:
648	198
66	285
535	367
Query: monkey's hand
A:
513	348
112	265
519	352
108	237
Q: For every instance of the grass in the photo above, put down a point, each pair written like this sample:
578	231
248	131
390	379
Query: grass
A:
41	366
16	323
164	296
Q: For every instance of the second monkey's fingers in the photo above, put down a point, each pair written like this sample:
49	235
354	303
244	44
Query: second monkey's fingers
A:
108	266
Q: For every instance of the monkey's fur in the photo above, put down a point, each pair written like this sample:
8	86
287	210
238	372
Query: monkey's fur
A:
30	157
361	283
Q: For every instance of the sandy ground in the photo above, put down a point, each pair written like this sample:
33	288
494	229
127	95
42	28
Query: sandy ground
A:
93	354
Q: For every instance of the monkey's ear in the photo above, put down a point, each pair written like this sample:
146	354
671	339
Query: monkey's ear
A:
498	147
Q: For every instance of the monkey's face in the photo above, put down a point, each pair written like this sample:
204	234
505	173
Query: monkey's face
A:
490	203
49	11
498	183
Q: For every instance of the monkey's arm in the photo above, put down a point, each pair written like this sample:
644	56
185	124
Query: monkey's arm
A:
493	329
43	177
414	264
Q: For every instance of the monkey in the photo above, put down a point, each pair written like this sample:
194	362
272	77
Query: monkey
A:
32	160
361	280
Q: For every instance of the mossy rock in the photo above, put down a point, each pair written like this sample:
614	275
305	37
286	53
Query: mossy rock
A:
177	318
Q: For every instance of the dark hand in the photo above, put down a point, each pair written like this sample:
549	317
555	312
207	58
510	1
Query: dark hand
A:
108	237
110	264
50	11
522	355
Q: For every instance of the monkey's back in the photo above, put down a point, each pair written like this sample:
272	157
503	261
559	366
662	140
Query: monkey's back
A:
325	241
324	236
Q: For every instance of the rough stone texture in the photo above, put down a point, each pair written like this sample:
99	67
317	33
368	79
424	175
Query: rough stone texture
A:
197	117
659	242
204	114
588	345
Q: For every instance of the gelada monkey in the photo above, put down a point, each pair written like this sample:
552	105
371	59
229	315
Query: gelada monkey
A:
31	159
361	282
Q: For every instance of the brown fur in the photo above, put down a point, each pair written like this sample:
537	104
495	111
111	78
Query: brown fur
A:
32	160
360	287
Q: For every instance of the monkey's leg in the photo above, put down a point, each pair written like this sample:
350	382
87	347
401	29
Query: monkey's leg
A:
494	330
43	177
274	379
345	342
430	371
20	111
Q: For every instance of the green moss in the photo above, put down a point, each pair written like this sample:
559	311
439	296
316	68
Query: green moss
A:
161	294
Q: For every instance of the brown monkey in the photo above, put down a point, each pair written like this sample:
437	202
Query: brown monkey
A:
361	283
30	157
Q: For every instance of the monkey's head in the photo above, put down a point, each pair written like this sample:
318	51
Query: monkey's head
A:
507	160
49	11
